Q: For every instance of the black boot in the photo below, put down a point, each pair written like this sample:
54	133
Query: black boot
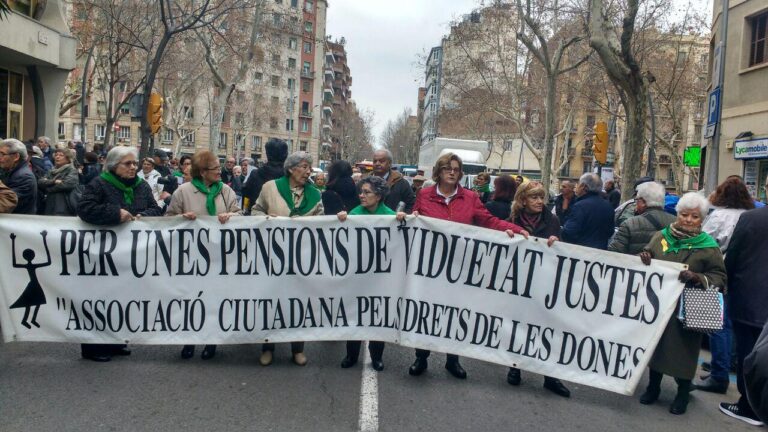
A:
418	367
208	352
188	351
555	386
348	362
680	404
454	367
513	376
654	388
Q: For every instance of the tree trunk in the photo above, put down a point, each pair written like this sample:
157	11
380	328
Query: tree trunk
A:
636	108
549	132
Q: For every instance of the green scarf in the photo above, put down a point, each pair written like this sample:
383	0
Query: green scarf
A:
308	201
126	189
674	245
382	209
210	200
482	189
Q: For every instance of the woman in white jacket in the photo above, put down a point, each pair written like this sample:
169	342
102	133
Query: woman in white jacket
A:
730	200
150	175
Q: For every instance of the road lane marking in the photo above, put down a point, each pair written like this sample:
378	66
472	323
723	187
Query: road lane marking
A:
369	395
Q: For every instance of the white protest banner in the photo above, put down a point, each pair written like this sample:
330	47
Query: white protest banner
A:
570	312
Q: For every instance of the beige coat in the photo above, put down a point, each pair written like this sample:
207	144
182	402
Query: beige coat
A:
270	202
8	199
188	199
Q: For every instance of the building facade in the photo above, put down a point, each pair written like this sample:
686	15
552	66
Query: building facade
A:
743	132
36	54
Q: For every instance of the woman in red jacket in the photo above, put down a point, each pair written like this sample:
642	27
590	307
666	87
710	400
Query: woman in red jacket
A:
447	200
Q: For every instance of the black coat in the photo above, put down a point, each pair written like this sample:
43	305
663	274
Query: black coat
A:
101	203
549	225
614	197
590	222
90	172
24	183
399	190
747	271
341	195
256	180
563	215
500	209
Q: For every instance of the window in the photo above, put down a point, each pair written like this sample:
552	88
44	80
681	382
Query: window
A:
189	113
302	146
99	131
101	107
566	171
256	143
294	3
124	133
167	135
223	140
758	44
670	176
304	126
61	130
305	108
275	80
276	59
293	43
188	137
682	56
275	101
308	27
77	132
273	122
277	20
309	6
305	86
307	68
696	134
289	125
257	77
240	119
291	63
308	47
587	167
125	109
590	121
291	83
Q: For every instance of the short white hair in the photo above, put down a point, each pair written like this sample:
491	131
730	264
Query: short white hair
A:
652	193
592	182
693	201
15	146
116	155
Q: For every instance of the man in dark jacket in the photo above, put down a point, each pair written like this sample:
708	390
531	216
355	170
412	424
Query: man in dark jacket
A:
277	152
612	194
747	297
564	201
399	188
19	177
635	233
756	376
591	221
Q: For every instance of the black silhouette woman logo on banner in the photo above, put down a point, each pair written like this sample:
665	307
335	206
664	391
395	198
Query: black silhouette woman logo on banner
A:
33	294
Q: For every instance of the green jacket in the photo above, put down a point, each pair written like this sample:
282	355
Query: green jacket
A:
637	231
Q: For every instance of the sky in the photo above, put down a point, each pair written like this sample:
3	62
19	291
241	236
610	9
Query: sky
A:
384	41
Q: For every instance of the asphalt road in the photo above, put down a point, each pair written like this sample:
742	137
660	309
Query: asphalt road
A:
47	387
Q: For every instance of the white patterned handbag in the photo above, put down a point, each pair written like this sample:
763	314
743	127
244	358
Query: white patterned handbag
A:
701	310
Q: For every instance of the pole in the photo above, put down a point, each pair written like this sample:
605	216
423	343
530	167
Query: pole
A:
84	96
651	170
713	149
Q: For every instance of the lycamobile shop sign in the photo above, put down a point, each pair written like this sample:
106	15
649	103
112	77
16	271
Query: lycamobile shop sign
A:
751	149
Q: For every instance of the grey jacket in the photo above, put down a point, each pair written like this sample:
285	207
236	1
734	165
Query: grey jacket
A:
637	231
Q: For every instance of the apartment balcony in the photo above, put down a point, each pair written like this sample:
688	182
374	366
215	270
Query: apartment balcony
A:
587	152
329	72
328	92
305	114
307	74
665	160
327	109
329	57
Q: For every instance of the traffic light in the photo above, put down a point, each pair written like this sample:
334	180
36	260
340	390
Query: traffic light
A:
600	147
155	112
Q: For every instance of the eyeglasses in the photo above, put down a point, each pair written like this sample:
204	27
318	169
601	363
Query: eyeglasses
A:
129	164
216	168
365	192
446	169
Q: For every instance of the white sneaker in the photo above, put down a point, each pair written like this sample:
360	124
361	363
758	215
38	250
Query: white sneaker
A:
266	358
734	411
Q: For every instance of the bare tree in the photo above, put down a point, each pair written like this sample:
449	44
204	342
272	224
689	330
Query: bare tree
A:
400	138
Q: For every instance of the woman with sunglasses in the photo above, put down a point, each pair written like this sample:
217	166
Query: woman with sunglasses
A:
447	200
118	195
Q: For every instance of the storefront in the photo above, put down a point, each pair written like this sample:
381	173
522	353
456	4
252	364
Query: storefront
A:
753	152
11	104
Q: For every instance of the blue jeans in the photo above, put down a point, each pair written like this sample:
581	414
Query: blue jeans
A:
720	348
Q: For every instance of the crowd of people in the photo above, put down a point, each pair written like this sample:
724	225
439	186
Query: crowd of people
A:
721	238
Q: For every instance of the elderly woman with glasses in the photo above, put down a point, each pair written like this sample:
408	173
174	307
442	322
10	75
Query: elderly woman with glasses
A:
529	211
118	195
206	195
447	200
58	183
291	195
684	242
372	193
